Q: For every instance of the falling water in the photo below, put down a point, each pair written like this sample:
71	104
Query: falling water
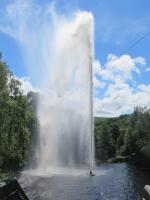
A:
58	51
65	109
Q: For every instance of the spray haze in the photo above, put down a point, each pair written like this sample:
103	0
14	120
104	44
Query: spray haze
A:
58	51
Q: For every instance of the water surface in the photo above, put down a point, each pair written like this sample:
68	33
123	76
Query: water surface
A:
112	182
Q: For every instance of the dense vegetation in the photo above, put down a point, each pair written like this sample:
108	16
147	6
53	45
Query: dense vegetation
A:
16	120
126	135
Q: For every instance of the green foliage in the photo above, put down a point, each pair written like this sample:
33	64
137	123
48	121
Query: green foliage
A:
15	117
105	138
122	136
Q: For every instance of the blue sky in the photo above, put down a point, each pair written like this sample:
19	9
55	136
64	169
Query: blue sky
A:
118	24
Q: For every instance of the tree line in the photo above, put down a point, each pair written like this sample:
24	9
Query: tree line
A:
17	120
126	135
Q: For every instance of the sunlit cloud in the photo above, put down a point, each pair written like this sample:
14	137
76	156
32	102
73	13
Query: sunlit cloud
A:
122	92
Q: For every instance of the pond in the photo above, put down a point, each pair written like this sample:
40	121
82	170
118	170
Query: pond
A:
120	181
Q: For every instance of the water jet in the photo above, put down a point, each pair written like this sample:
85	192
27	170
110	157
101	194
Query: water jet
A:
65	110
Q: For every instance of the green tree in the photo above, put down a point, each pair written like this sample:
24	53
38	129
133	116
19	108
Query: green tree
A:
14	120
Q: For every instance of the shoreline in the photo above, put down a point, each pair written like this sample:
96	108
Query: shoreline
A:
136	160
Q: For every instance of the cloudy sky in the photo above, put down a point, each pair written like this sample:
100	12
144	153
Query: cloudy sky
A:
121	78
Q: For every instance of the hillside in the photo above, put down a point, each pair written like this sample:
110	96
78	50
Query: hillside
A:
126	135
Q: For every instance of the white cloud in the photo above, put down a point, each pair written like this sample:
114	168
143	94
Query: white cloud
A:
116	100
26	85
121	68
96	75
97	83
97	67
120	97
147	69
144	88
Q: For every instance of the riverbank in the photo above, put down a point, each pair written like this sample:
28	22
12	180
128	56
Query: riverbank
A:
120	159
141	159
117	159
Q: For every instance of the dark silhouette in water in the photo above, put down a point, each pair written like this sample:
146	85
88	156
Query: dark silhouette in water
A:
91	173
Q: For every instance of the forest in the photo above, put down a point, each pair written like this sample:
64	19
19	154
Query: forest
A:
124	136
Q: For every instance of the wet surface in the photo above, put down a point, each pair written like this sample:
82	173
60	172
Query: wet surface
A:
111	182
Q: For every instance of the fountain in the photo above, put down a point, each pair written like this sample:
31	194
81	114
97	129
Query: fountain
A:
58	51
65	108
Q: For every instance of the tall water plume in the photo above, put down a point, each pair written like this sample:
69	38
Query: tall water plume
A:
65	110
59	51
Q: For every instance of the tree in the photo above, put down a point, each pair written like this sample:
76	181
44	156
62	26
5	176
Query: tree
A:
14	120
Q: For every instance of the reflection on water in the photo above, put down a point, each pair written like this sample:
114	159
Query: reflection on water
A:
112	182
